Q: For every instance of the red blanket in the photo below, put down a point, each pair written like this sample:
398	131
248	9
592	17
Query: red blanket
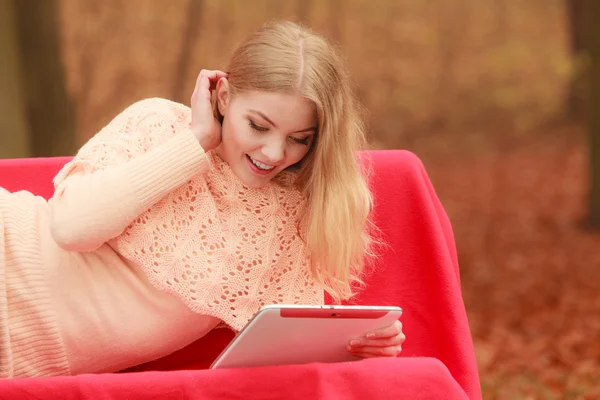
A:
418	271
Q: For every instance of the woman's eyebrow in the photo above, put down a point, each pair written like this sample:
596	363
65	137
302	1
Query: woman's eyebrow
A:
264	117
311	129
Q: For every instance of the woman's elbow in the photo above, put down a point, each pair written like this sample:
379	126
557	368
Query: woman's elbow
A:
70	239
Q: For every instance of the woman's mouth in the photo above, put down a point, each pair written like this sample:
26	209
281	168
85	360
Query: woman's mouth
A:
259	167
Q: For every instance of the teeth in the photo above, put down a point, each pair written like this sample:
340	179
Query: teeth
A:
261	165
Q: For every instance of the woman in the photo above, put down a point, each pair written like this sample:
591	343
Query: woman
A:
172	221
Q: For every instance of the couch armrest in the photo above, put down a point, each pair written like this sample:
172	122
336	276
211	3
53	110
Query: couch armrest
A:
383	378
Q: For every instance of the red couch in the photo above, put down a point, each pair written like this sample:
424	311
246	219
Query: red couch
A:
418	271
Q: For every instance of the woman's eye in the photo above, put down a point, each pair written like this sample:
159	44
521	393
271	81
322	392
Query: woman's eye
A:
301	141
256	127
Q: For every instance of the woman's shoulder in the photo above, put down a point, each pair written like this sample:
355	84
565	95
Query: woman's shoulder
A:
152	118
158	106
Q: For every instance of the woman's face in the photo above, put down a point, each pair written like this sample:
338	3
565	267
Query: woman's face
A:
264	133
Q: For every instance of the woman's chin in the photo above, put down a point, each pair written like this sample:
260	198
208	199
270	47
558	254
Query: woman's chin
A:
253	180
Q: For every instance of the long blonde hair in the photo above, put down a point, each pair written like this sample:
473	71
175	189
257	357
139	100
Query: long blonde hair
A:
286	57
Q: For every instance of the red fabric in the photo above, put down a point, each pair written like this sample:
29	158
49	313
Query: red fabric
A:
410	378
33	174
417	271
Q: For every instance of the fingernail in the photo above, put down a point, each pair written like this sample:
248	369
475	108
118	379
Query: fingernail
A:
354	342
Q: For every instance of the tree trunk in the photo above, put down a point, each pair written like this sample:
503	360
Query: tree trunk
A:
592	14
14	137
576	97
182	88
49	111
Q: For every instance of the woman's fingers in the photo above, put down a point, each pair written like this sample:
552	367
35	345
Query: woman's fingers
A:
387	332
207	81
212	75
384	342
369	351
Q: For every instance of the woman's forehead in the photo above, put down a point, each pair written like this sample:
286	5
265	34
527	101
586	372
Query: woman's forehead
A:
278	108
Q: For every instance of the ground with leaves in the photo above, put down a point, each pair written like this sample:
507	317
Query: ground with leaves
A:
530	268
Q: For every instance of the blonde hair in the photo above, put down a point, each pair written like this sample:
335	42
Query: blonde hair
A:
286	57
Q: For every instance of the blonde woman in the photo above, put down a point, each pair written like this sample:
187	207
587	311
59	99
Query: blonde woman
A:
172	221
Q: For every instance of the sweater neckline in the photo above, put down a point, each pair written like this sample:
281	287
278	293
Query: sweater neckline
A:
286	179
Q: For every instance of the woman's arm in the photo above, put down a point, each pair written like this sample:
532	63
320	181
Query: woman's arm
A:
143	154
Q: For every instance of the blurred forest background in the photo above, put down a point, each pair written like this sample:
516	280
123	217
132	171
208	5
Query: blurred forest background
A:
493	95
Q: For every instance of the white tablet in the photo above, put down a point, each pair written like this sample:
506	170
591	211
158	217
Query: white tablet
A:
300	334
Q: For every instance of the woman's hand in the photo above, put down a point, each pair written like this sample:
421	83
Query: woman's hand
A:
386	342
204	124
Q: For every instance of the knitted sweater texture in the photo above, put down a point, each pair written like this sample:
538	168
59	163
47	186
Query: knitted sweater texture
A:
147	244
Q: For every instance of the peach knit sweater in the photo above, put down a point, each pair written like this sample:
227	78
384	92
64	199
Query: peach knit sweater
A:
147	244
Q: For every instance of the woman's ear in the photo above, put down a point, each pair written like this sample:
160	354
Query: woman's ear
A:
222	95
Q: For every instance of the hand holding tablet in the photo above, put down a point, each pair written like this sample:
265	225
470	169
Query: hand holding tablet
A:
298	334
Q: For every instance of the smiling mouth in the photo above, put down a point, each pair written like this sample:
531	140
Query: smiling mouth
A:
259	165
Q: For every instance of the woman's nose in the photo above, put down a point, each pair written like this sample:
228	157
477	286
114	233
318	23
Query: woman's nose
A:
274	151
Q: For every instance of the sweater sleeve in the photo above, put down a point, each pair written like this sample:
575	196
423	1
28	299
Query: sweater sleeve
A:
143	154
